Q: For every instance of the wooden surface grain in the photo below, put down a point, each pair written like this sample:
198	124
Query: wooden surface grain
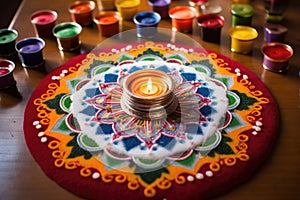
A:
278	178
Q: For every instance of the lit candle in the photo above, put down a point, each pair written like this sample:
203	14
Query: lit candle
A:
127	8
242	39
148	94
6	73
182	18
210	27
241	14
108	23
161	7
7	42
146	23
67	35
82	12
276	56
30	51
274	33
43	22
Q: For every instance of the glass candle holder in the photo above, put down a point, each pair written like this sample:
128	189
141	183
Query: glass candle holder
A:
7	42
146	23
161	7
182	18
108	23
148	94
274	33
276	56
241	14
127	8
30	51
6	73
82	12
210	27
43	22
67	35
242	39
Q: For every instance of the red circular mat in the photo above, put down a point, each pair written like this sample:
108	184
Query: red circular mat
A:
245	144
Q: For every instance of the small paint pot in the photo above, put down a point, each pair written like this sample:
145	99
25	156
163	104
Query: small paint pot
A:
107	5
276	56
67	35
161	7
82	12
6	73
242	39
146	23
43	22
182	18
7	42
210	27
108	23
241	14
30	51
127	8
274	33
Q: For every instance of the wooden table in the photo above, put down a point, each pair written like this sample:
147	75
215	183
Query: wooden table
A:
278	178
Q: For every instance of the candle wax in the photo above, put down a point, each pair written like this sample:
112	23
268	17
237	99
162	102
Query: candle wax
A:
148	87
31	48
128	4
43	18
277	52
82	8
160	3
7	36
108	20
243	35
4	70
147	20
212	23
183	14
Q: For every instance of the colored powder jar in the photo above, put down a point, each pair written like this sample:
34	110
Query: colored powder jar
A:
242	39
67	35
161	7
146	23
182	18
30	51
7	42
274	33
276	56
43	22
82	12
108	23
241	14
127	8
6	73
210	27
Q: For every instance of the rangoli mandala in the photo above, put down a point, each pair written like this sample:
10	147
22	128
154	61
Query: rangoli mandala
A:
221	132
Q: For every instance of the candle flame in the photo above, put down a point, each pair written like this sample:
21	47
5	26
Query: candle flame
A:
149	85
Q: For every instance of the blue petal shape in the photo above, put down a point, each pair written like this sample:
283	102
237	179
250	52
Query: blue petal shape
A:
89	111
207	110
189	76
92	92
131	143
164	69
105	129
203	91
110	78
133	69
166	142
194	129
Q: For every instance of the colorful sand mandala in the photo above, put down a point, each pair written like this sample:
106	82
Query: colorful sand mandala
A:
222	131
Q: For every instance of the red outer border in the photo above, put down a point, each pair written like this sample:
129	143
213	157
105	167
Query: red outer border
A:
227	178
